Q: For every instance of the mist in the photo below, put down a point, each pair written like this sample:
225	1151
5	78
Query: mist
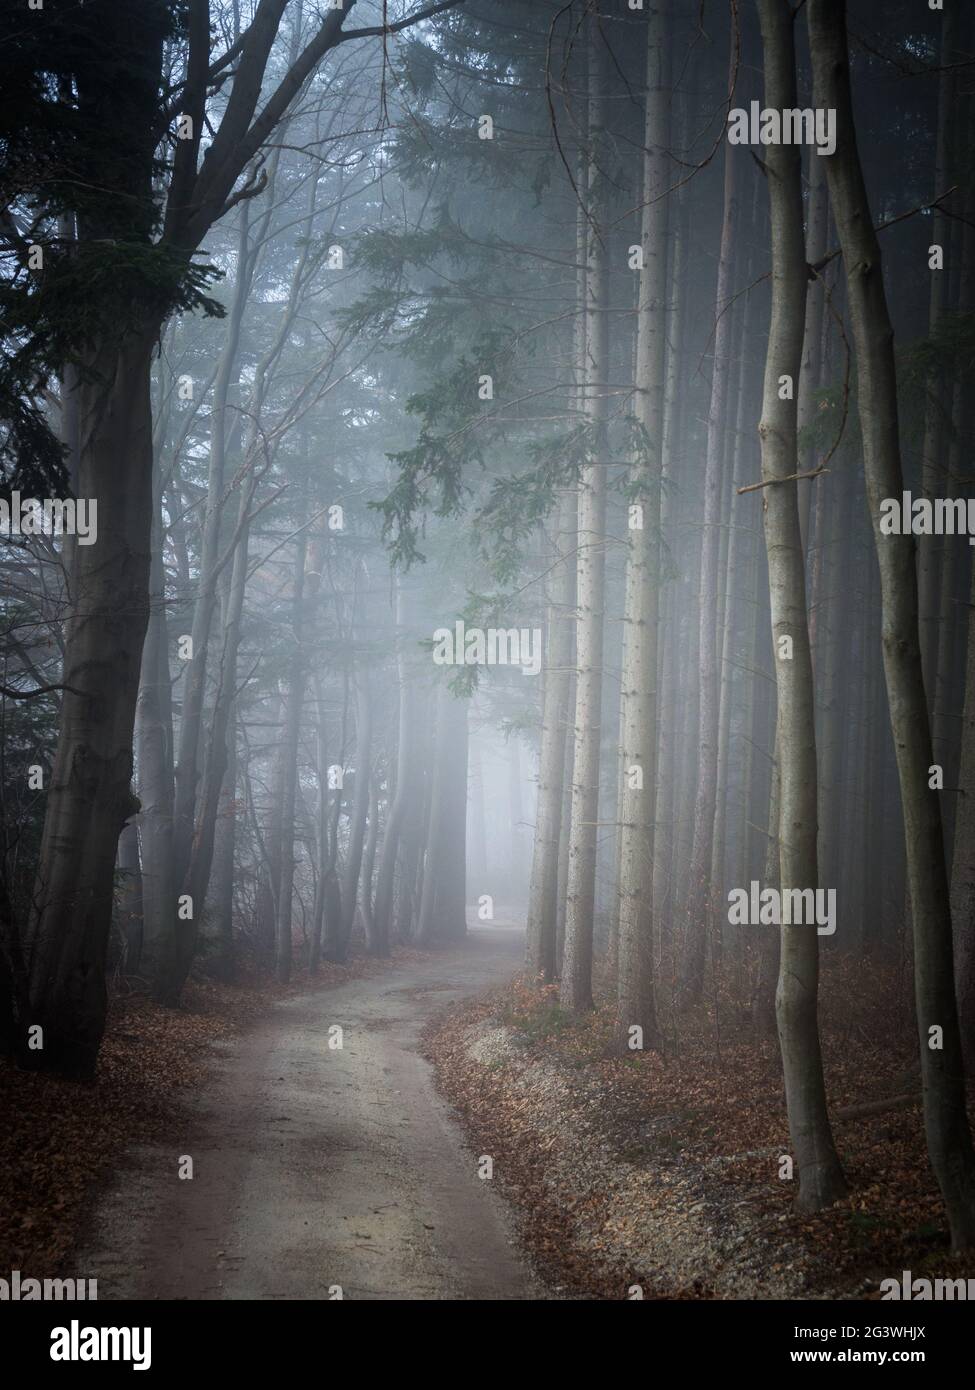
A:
487	693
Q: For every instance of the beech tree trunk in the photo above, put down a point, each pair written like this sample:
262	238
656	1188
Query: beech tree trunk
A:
635	1005
821	1179
337	949
576	991
441	916
289	753
543	893
945	1118
90	796
699	889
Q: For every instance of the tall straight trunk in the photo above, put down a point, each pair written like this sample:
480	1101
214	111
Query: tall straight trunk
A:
635	1005
478	836
452	896
369	864
338	950
549	874
945	1118
154	744
194	681
441	916
416	831
130	896
576	989
516	815
670	710
936	409
954	577
222	882
220	749
817	228
835	625
699	889
731	608
565	829
821	1179
543	892
963	857
963	868
327	909
90	796
293	702
404	796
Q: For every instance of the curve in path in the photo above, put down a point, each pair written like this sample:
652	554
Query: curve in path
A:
315	1167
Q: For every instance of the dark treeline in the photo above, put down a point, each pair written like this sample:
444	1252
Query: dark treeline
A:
355	338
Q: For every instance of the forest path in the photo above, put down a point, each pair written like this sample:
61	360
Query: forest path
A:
315	1168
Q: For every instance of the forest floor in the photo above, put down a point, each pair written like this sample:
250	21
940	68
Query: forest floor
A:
316	1166
663	1170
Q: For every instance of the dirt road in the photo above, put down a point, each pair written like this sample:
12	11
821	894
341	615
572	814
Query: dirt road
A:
316	1167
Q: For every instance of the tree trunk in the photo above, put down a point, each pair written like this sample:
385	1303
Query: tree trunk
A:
635	1005
576	992
337	950
289	753
90	796
154	740
543	893
404	796
945	1119
699	892
820	1175
222	883
442	902
936	407
130	897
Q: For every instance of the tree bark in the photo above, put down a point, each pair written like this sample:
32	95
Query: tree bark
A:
945	1119
821	1179
90	796
699	892
635	1005
543	893
576	990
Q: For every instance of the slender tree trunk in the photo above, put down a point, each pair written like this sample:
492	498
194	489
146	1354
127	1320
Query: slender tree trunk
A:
130	896
817	229
194	680
293	702
576	991
441	915
404	797
635	1005
945	1119
936	408
338	950
222	883
154	740
369	865
327	909
821	1179
543	893
699	893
